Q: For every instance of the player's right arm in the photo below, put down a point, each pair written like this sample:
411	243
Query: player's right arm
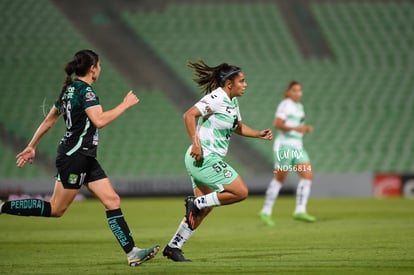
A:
29	152
190	118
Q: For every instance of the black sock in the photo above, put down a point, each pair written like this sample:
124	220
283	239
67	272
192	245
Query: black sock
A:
27	207
120	229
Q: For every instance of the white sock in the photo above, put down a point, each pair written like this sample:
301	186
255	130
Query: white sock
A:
302	195
181	236
133	251
272	192
208	200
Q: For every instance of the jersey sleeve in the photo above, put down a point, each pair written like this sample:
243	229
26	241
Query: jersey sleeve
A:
282	110
208	104
239	118
89	98
58	105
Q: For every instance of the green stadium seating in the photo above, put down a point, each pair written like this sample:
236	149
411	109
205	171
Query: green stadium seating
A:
8	168
359	101
36	41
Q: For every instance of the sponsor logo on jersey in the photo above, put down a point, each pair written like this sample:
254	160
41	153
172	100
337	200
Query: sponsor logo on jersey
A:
90	96
227	173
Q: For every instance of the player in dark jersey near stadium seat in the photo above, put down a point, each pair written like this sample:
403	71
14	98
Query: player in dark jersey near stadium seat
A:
76	161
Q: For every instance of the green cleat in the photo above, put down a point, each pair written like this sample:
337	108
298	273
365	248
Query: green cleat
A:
305	217
267	219
143	255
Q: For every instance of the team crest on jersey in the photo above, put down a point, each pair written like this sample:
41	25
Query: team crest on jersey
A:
90	96
208	109
73	179
227	173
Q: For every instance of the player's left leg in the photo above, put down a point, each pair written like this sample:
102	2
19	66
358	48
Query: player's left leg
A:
104	191
219	183
222	194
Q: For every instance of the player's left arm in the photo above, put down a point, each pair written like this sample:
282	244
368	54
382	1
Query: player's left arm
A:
101	118
244	130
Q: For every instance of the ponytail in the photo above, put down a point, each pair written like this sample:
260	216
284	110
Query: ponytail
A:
210	78
69	69
80	65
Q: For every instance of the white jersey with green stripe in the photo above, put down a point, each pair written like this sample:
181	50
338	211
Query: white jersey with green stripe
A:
293	115
219	118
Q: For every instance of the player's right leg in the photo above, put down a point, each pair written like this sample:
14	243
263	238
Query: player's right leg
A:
183	233
173	249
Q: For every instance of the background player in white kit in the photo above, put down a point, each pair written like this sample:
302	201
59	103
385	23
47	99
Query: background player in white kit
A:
289	155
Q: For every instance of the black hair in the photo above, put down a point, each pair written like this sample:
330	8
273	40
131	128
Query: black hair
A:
79	66
291	84
210	78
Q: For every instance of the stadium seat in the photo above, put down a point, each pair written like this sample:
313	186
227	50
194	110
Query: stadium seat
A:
353	100
359	102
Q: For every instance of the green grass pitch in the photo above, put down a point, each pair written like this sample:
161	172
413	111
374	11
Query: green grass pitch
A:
351	236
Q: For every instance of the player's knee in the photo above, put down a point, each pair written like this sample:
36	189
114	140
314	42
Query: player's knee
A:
307	175
112	202
280	175
243	193
58	212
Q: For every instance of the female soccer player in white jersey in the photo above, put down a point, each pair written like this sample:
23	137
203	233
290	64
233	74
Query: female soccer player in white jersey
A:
289	155
214	181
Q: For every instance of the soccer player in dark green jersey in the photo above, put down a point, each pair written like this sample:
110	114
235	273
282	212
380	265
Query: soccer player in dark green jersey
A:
76	161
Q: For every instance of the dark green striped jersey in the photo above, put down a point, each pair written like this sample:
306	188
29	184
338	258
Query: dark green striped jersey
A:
81	135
